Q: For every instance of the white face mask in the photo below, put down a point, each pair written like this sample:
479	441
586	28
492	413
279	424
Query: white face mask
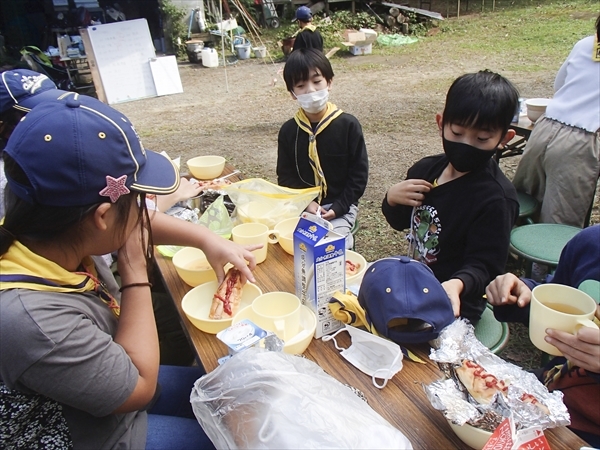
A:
371	354
313	102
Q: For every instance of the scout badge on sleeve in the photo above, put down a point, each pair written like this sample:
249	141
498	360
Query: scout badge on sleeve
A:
404	301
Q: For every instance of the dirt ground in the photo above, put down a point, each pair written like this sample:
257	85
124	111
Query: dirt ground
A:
237	113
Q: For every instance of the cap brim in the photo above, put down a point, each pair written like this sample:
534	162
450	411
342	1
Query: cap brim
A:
27	104
158	176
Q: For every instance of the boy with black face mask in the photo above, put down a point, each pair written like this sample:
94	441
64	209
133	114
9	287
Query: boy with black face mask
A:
459	206
321	146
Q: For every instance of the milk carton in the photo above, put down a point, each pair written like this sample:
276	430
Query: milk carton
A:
319	269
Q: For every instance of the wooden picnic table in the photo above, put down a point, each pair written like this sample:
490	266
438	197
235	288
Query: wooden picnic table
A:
402	402
516	146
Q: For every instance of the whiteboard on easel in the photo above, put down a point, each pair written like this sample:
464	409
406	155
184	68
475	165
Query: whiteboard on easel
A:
166	75
121	51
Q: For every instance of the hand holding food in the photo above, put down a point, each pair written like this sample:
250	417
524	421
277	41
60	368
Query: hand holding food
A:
226	300
408	192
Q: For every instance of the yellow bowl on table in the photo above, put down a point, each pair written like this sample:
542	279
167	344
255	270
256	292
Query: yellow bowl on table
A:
474	437
356	258
197	302
193	267
286	233
536	107
206	167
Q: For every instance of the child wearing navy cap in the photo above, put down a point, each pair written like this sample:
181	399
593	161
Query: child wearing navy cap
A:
307	36
79	356
459	207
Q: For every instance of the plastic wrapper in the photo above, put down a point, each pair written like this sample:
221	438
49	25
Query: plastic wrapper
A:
260	399
457	343
260	201
216	218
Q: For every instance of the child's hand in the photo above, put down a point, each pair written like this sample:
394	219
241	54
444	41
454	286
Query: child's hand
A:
508	289
312	208
222	251
131	261
188	189
408	192
453	288
328	214
582	348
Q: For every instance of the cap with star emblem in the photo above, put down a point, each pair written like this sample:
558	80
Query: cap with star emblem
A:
77	151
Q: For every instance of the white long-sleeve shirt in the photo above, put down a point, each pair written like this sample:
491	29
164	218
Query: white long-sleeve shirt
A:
576	99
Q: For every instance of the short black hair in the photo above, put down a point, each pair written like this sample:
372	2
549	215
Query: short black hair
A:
484	100
301	62
598	28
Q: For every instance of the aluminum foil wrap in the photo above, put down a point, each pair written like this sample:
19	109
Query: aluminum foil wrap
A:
456	343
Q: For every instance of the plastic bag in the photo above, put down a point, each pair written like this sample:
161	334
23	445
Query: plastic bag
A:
216	218
395	40
261	201
260	399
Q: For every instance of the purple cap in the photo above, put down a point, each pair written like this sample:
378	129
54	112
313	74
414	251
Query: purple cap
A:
23	89
77	151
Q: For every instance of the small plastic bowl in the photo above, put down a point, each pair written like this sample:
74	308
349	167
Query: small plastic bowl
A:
536	107
196	305
206	167
356	258
474	437
286	233
192	266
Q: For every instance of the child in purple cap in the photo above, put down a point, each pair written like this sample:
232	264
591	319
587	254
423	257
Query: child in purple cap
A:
78	367
307	36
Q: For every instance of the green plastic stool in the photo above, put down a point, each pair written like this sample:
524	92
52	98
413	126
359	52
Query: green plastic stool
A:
491	333
540	243
528	206
591	288
353	231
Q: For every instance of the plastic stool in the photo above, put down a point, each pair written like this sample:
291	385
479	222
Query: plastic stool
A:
591	288
528	206
353	231
540	243
493	334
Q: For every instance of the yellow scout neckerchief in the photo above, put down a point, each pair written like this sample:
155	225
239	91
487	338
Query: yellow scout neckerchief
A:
331	113
309	27
596	50
20	268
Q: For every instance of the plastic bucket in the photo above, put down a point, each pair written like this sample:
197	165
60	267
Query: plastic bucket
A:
210	57
243	51
260	52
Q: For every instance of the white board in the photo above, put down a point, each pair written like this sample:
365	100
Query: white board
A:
121	51
166	75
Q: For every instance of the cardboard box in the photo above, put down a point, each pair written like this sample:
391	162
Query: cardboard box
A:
360	42
319	269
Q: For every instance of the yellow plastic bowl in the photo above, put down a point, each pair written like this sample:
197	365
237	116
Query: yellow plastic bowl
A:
192	266
286	233
536	107
356	258
473	437
196	305
206	167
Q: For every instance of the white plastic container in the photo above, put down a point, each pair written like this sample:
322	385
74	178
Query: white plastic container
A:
243	51
260	52
210	57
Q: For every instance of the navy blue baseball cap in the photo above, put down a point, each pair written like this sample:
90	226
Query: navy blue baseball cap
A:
304	14
404	301
23	89
77	151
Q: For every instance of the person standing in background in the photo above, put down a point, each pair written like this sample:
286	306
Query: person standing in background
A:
308	36
561	162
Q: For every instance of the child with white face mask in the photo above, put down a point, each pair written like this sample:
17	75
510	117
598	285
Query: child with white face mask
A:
321	145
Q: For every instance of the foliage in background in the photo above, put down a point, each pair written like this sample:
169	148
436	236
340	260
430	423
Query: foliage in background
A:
175	27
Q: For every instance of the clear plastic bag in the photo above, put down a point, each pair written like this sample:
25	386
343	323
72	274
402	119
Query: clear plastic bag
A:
261	201
216	218
260	399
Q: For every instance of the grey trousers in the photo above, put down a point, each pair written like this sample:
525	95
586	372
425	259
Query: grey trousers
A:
344	224
560	168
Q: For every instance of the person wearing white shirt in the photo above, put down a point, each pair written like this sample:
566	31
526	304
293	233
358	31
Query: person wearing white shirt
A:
561	162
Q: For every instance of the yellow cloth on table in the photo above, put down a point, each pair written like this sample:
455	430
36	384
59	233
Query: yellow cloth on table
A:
346	309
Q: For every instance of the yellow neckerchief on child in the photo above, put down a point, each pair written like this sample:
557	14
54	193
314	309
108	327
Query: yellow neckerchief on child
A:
20	268
346	309
596	50
331	113
435	183
309	27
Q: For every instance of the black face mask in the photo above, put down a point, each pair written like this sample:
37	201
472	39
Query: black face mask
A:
465	157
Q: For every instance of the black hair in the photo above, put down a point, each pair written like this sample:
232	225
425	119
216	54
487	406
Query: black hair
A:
301	62
598	28
484	100
42	223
